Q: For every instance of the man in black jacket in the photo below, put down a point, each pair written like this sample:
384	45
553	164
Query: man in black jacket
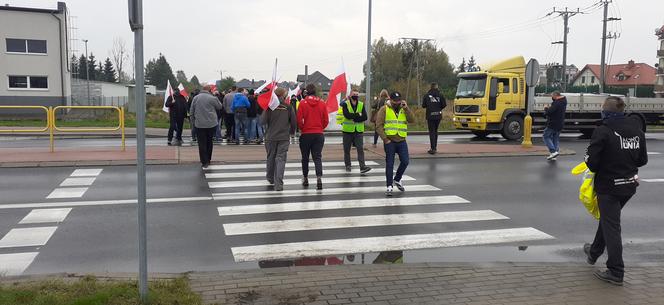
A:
177	110
433	104
616	151
555	120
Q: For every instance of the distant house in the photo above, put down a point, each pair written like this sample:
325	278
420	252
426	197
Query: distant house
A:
254	84
318	79
622	75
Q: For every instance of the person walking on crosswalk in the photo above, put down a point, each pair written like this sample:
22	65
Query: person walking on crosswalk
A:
204	114
352	125
392	127
312	119
280	126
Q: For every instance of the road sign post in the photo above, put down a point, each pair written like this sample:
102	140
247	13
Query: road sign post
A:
532	77
136	25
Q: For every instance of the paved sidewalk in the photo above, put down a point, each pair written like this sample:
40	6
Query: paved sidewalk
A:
100	156
414	284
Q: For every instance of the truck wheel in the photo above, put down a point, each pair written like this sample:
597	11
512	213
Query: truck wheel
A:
481	133
513	128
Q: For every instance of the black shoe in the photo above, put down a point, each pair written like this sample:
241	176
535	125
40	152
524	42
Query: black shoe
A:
586	250
348	169
278	188
365	170
319	183
431	151
169	143
305	181
608	277
205	165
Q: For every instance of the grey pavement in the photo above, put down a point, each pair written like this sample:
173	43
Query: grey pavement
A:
527	196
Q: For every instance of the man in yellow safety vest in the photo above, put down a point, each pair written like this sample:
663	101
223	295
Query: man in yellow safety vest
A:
392	126
353	116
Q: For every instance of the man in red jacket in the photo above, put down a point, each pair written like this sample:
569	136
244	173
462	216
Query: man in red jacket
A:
312	119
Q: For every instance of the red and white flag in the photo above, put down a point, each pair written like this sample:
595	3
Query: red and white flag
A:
340	85
293	92
182	90
167	93
269	99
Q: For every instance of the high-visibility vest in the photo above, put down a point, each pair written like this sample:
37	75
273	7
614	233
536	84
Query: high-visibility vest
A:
340	116
395	125
350	125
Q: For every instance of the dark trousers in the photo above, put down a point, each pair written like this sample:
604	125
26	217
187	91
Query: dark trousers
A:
312	143
176	125
391	149
375	137
433	132
609	233
205	144
229	123
354	139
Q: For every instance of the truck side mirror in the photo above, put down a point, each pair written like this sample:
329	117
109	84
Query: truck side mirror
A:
493	89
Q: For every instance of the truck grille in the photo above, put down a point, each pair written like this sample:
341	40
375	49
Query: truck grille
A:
467	108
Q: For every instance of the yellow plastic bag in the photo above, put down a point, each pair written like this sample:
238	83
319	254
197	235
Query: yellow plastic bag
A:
587	194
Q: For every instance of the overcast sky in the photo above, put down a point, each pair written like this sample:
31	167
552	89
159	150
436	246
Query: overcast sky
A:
243	37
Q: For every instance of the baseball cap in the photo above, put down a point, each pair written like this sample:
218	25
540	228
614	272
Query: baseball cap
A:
395	96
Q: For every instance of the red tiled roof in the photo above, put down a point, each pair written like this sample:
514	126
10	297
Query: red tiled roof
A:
646	74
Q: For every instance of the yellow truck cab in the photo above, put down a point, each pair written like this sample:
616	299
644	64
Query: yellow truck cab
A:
492	100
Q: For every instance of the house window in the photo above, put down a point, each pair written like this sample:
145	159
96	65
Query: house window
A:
592	79
28	82
621	77
583	79
28	46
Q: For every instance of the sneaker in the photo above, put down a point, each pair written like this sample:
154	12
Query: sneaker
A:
586	250
348	169
431	152
205	165
608	277
365	170
399	185
553	155
319	183
178	143
169	143
271	182
305	181
388	192
278	188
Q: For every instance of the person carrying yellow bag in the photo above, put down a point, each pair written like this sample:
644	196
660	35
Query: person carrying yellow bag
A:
587	194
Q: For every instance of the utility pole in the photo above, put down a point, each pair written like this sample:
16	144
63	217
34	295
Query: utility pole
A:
415	42
87	69
306	75
602	73
368	98
566	14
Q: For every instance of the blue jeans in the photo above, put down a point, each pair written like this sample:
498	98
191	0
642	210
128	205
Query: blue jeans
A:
252	129
217	131
391	149
551	139
241	124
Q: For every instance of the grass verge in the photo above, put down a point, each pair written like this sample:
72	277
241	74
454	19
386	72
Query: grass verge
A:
90	291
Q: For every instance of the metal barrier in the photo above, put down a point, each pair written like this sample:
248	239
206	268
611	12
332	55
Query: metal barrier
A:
45	129
121	122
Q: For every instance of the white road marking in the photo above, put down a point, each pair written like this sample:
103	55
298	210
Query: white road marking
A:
98	203
337	204
654	153
313	191
358	221
46	216
86	172
385	243
69	192
16	263
653	180
26	237
295	173
288	165
326	180
82	181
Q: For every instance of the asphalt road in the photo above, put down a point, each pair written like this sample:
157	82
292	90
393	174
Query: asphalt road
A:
517	209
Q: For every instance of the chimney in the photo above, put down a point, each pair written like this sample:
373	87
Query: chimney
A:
630	63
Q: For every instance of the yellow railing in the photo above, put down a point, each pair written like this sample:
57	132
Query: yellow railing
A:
51	126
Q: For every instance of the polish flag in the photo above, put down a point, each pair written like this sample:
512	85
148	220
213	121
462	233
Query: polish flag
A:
340	85
169	92
293	92
269	99
183	91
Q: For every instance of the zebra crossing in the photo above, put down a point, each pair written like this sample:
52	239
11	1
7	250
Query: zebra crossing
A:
344	218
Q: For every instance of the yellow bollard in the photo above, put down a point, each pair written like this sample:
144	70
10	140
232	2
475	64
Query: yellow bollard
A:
527	132
122	126
49	123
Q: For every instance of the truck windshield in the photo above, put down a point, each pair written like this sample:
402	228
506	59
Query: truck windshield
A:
471	87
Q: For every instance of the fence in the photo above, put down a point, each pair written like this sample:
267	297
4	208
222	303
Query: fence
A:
51	119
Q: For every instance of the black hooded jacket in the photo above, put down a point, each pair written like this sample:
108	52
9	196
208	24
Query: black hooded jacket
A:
177	108
434	104
616	151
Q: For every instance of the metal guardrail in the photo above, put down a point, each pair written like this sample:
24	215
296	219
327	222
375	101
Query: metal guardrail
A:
51	119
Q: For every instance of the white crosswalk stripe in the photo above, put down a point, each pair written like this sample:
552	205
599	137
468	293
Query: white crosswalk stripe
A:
307	217
16	263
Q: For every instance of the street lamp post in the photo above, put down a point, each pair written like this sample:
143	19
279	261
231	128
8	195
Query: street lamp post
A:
87	68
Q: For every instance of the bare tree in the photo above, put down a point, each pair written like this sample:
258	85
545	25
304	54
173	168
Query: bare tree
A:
132	65
119	55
